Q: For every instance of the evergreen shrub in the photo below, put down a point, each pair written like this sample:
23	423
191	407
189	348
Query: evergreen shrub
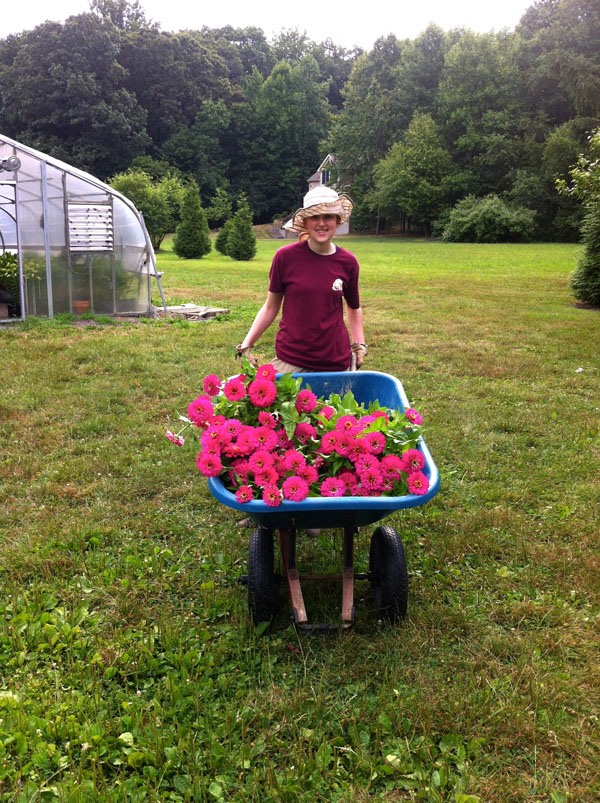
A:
192	238
223	237
585	279
489	220
241	243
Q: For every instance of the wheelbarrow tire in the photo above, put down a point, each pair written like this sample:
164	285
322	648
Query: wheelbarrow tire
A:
388	573
261	578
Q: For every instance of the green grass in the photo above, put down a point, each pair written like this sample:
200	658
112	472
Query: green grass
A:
129	670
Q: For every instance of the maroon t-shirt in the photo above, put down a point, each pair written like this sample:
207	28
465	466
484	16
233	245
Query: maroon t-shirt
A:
312	332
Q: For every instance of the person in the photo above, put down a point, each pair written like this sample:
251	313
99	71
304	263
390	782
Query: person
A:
311	278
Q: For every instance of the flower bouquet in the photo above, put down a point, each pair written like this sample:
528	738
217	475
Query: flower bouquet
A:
273	439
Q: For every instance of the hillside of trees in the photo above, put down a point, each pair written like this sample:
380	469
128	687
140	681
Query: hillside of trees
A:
416	125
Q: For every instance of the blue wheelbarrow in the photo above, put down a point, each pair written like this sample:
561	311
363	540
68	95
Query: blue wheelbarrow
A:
387	575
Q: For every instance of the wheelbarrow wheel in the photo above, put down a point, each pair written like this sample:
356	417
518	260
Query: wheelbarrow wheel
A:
388	573
261	578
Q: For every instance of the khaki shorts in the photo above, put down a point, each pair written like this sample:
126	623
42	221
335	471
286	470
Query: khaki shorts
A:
285	368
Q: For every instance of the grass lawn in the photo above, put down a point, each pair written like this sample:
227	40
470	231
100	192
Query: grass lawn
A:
129	669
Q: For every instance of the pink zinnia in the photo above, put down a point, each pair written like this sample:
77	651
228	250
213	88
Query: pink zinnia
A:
358	447
266	371
418	483
347	423
304	432
232	427
306	401
348	478
413	416
176	439
212	385
265	438
200	411
262	392
266	476
295	489
333	487
271	495
366	461
343	443
234	390
246	441
244	494
327	411
212	435
412	461
308	473
370	479
267	419
391	465
261	460
209	465
293	460
375	442
328	442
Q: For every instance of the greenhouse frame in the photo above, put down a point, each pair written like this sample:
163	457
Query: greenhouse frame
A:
69	243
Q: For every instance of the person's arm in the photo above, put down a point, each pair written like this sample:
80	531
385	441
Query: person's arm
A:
264	318
357	333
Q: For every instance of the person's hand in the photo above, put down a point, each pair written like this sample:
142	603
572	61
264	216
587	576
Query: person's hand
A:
360	351
246	351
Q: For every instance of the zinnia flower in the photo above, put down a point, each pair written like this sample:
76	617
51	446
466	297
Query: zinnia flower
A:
328	442
262	392
418	483
234	390
212	385
375	442
209	464
267	419
200	411
412	461
295	489
347	423
266	476
292	460
266	371
306	401
304	432
308	473
333	486
413	416
265	438
244	494
327	411
271	495
261	460
176	439
370	479
391	465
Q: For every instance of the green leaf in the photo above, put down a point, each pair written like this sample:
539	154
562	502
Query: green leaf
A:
127	738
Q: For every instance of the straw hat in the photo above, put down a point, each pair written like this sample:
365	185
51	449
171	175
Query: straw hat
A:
320	201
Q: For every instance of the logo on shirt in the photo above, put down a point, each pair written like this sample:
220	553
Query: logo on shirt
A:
338	286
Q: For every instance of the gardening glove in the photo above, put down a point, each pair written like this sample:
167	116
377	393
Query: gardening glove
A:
359	351
246	352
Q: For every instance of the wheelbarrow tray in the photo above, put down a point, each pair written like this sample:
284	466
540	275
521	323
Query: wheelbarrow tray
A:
321	511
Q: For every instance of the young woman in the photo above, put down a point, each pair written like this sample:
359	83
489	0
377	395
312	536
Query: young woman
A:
311	278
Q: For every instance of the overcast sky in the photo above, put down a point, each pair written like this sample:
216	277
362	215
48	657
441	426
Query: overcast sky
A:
347	24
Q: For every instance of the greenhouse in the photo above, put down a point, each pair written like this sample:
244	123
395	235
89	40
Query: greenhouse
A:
68	242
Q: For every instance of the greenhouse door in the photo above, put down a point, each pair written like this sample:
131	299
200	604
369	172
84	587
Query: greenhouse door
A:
11	268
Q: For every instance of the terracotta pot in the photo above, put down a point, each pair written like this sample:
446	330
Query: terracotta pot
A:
79	307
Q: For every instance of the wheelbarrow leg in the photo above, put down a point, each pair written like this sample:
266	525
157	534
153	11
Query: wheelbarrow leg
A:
287	545
348	578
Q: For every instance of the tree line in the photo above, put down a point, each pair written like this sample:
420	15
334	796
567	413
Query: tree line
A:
418	126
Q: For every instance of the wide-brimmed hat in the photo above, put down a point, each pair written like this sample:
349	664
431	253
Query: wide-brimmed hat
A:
320	201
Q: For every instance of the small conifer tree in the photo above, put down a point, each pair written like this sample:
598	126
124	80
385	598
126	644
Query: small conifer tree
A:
221	243
192	238
241	243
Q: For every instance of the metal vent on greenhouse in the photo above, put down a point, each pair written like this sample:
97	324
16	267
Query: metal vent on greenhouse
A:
90	227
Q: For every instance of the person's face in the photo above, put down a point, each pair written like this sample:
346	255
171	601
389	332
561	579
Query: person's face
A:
321	228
